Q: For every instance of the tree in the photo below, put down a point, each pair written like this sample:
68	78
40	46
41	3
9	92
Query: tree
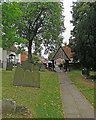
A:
79	10
84	43
41	24
11	14
51	54
35	58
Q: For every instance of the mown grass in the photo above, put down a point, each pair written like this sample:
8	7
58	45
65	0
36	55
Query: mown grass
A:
86	86
43	102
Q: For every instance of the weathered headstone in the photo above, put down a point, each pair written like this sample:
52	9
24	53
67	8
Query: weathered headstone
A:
18	64
28	78
8	106
36	76
42	68
18	77
39	65
9	66
21	109
0	64
36	68
27	66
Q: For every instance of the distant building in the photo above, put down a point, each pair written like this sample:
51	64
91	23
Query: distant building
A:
43	60
9	55
24	56
67	51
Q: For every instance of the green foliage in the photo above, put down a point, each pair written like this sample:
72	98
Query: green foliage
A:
84	45
34	24
35	58
11	15
51	54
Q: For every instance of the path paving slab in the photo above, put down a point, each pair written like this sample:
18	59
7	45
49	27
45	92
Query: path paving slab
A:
75	104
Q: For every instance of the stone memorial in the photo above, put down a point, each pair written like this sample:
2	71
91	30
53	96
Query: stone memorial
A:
36	76
27	66
27	75
36	68
18	77
42	68
39	65
8	106
0	64
9	66
28	78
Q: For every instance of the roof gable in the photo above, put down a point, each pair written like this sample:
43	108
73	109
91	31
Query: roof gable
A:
60	53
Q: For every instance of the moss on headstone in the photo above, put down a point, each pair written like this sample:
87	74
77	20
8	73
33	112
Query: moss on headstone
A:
36	76
28	77
27	66
42	68
18	77
9	66
36	68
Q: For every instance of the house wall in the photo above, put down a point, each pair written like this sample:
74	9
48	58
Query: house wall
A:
23	56
18	58
4	55
0	54
4	59
68	51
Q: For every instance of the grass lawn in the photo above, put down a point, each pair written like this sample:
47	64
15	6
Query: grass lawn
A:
43	102
86	86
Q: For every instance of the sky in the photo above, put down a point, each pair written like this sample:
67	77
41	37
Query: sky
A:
68	16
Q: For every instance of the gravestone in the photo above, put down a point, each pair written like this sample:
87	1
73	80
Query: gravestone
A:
8	105
18	77
36	79
28	78
9	66
27	66
42	68
36	68
18	64
0	64
83	71
39	65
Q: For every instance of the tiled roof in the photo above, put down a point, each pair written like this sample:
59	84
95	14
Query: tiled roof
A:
13	49
68	51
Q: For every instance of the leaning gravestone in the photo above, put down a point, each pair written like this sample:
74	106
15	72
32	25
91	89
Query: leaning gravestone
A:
28	78
18	77
42	68
36	76
9	66
27	66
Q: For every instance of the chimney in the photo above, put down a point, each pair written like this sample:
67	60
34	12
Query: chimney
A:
70	40
65	44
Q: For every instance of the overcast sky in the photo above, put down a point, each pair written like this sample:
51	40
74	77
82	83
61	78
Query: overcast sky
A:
68	17
67	24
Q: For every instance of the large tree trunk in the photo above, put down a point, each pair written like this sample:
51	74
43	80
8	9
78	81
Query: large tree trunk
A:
29	51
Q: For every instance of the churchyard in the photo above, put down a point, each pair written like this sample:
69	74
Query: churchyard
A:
43	102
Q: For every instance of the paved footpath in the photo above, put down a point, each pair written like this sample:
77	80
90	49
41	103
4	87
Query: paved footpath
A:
75	104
